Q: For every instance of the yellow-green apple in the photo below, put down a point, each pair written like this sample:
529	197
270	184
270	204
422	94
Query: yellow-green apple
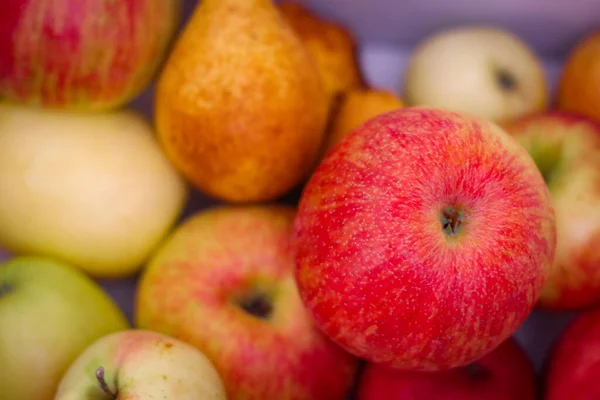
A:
573	361
223	282
94	190
566	149
423	239
82	54
487	72
49	313
506	373
139	364
579	83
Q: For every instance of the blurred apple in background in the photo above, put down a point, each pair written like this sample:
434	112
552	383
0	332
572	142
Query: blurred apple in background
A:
357	106
566	149
223	282
82	54
94	190
136	364
49	313
573	363
504	374
579	83
423	239
484	71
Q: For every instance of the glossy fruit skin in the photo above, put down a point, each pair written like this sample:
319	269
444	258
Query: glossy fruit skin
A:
51	314
191	290
86	55
505	373
240	107
579	83
140	364
374	265
572	364
566	147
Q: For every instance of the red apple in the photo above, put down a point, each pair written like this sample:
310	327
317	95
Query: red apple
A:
224	283
506	373
573	368
82	54
423	239
566	148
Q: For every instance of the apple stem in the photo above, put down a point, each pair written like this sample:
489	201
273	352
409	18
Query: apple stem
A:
451	220
103	384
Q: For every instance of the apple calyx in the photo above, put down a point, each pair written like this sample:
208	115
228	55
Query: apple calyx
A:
451	220
477	372
506	80
257	304
103	384
5	289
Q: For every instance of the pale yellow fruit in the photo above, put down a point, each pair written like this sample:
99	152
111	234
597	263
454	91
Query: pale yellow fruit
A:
483	71
94	190
139	364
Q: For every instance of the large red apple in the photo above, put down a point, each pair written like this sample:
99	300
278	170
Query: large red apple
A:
82	54
505	373
573	365
224	283
566	149
423	239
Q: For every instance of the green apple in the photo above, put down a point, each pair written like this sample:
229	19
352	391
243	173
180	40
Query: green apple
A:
483	71
139	364
93	190
49	313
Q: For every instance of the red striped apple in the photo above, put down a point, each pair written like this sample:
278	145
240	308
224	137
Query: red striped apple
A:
566	148
223	282
423	239
137	364
573	363
82	54
49	313
505	373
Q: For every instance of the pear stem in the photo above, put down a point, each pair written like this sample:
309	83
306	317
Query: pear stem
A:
103	384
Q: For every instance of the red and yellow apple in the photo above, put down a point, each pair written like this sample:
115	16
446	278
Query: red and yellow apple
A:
506	373
486	71
137	364
579	83
573	363
82	54
49	313
423	239
566	149
223	282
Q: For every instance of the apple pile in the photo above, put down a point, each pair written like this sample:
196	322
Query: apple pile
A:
365	242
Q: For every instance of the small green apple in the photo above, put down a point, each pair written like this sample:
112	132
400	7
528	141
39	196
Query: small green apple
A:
49	312
139	364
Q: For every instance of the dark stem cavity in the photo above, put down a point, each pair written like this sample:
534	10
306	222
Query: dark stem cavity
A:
257	304
477	371
506	80
451	220
103	384
5	289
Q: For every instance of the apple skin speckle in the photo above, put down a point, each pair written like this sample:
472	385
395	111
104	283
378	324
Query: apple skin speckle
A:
373	264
